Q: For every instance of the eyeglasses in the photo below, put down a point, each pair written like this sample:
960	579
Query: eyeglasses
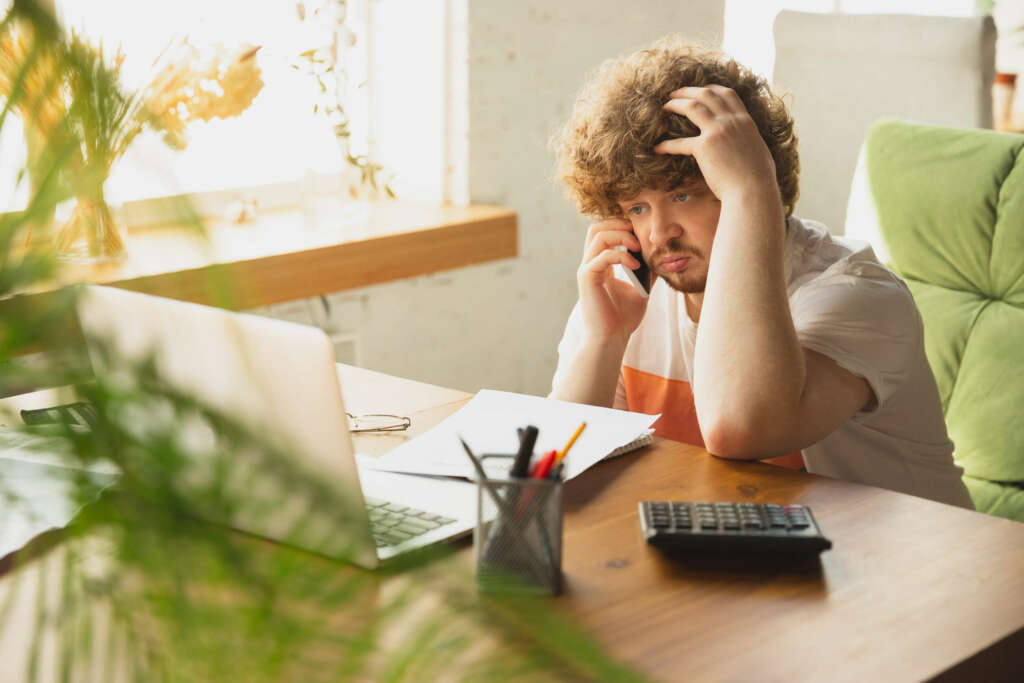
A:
377	423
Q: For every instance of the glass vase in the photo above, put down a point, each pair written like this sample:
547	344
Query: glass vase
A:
91	235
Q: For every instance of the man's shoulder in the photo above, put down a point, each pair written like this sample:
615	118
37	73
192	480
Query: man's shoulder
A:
842	281
815	257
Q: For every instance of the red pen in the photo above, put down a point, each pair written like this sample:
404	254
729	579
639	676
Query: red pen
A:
543	466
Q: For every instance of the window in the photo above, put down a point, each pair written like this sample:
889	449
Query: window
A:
277	139
405	96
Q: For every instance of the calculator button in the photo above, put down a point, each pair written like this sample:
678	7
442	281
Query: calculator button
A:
708	524
731	524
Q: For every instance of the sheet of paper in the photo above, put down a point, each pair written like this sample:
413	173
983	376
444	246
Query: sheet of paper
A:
488	424
37	488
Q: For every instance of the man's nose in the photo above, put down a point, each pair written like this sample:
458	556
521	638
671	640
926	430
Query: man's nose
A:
664	228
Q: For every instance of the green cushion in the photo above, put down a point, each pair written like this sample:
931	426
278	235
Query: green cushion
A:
953	223
1005	500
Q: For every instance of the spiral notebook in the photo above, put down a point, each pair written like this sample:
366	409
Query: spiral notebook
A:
636	444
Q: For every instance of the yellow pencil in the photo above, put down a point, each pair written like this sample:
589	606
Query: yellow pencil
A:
562	453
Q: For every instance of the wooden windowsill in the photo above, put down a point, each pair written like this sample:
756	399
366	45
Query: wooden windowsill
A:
292	254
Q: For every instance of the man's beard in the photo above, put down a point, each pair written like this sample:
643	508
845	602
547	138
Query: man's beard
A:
686	281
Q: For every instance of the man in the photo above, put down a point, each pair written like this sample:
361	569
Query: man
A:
763	335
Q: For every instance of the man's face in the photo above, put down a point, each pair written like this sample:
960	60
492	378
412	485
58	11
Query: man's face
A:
676	230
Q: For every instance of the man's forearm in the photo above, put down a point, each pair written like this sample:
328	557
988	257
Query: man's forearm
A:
593	374
749	367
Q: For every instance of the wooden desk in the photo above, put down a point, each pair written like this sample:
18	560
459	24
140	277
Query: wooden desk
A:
912	589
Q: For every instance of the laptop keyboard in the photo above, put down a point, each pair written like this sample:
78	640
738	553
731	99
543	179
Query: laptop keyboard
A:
393	524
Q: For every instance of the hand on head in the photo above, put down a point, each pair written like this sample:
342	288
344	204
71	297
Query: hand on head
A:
731	153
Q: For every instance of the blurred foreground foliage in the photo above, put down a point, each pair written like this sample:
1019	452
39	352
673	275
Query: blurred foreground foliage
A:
139	587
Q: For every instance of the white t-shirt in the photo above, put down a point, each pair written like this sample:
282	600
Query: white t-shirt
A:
845	305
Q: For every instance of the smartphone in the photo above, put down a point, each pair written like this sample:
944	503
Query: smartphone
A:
82	414
640	277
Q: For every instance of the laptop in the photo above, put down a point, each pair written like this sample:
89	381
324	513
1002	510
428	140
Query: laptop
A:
279	378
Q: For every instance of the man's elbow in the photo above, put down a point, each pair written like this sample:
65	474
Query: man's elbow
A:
735	440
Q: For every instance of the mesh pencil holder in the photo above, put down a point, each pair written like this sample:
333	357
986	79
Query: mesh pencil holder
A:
518	536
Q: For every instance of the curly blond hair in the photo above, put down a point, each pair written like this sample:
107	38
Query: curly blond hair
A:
605	151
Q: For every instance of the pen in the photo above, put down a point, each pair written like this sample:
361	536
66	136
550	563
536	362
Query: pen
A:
565	451
543	466
483	475
521	465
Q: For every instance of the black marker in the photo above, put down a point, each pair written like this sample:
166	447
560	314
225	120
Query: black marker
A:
521	465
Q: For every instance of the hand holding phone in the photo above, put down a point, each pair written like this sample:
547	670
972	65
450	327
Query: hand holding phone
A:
612	307
640	277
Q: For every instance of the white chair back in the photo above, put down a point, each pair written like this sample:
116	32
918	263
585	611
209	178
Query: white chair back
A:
845	71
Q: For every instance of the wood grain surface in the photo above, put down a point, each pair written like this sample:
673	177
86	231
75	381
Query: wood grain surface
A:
283	256
912	589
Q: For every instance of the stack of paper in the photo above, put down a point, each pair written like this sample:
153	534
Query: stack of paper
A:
488	424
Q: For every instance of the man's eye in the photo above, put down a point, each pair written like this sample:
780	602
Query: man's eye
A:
682	197
636	210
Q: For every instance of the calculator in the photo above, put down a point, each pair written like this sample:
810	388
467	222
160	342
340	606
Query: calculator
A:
731	527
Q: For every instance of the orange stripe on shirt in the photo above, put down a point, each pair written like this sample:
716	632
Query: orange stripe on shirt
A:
647	393
673	398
